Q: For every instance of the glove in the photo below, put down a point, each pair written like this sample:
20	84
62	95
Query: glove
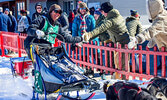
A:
40	34
133	42
86	37
80	44
151	43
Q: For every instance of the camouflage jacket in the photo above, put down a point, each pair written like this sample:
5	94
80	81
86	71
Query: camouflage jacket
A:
114	24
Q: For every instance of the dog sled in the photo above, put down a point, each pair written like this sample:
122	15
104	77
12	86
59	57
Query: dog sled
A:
55	72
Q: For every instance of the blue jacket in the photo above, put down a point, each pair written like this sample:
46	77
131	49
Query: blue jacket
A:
91	24
5	22
14	23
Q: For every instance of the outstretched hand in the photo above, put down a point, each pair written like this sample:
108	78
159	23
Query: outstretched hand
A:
86	37
133	42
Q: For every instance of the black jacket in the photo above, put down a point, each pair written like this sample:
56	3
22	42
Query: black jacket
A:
38	24
36	15
63	20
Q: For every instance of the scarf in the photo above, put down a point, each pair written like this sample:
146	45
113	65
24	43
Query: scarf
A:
83	25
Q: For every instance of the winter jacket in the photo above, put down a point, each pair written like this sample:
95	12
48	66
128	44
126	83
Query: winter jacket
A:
114	24
14	23
5	22
71	17
39	24
23	24
104	36
90	22
133	25
35	15
157	32
63	20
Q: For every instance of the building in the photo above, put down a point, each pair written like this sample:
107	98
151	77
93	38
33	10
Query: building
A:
124	6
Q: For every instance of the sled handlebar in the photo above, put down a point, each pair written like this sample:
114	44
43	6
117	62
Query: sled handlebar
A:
59	36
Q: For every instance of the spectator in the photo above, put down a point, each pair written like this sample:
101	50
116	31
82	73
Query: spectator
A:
156	33
114	24
75	12
38	8
29	19
92	10
70	19
133	24
13	20
23	23
83	22
99	20
5	22
47	24
63	20
45	11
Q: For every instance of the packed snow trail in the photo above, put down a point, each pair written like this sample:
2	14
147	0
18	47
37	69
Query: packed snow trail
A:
17	88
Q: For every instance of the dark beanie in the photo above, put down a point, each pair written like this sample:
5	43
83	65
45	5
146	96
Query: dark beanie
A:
106	7
134	13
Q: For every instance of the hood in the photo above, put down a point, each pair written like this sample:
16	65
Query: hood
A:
38	4
113	13
154	7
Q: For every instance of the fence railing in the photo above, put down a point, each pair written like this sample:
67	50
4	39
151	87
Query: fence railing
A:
102	57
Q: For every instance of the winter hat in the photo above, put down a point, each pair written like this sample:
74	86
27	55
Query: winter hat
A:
23	11
83	5
54	7
134	13
38	4
106	7
97	12
7	9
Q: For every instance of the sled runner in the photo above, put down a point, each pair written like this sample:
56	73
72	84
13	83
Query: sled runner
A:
55	72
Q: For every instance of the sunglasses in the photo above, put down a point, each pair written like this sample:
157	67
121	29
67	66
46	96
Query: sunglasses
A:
58	11
82	8
39	8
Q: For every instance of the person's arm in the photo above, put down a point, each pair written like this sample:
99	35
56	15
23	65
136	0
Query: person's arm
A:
68	37
66	23
102	28
93	23
15	24
9	24
139	28
150	32
33	16
37	24
132	28
74	27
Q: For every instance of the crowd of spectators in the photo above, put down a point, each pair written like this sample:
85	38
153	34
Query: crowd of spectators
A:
104	25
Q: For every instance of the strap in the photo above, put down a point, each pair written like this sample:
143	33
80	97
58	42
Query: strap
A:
31	53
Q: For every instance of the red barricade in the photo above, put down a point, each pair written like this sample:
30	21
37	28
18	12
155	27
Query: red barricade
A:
102	60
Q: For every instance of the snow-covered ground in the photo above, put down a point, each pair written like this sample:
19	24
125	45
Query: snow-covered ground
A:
16	88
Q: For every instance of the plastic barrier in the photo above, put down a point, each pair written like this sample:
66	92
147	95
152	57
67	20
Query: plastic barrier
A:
146	59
